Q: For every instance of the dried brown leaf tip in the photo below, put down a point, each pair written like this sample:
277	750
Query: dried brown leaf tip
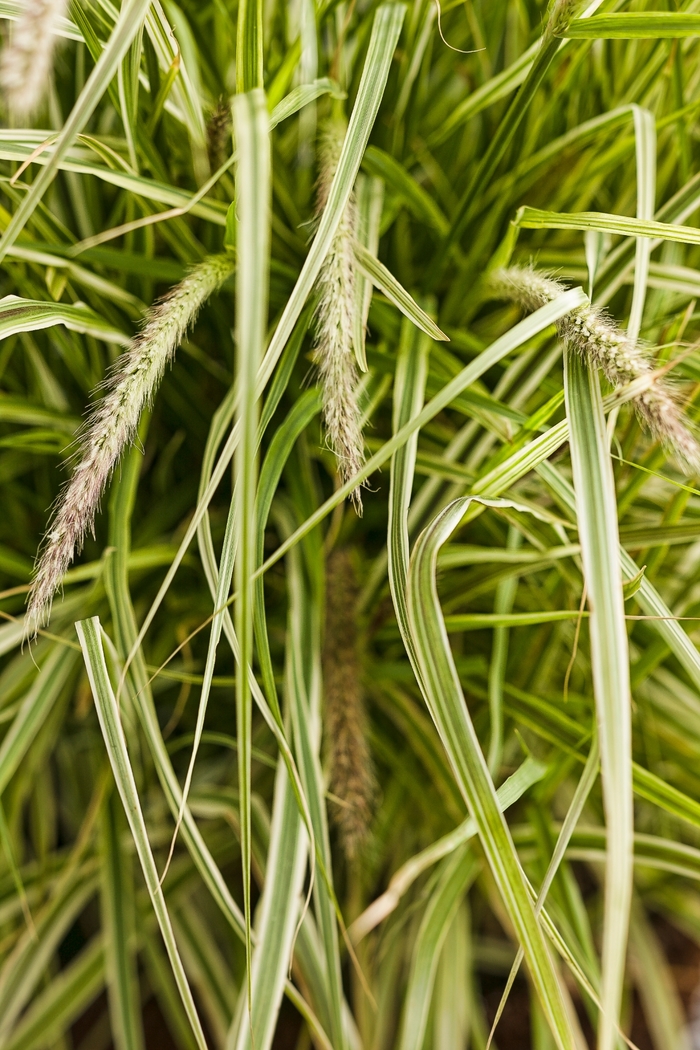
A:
622	360
334	353
348	757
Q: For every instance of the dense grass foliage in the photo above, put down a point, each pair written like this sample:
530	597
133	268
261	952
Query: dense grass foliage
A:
371	699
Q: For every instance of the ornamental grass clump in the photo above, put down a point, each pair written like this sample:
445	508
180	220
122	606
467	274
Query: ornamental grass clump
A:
462	728
349	760
622	360
334	351
112	426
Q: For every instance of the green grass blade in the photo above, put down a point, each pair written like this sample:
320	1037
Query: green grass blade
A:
445	701
127	27
117	910
62	1002
486	168
370	199
34	710
409	393
89	634
517	335
663	1007
454	1003
536	219
529	773
645	145
634	25
249	46
385	281
661	619
383	166
253	186
597	524
26	964
27	315
277	918
503	604
303	660
121	508
457	874
385	34
583	790
301	96
305	408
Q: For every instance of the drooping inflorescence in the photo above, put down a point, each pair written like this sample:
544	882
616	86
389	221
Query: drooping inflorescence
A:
351	772
112	425
333	346
621	359
26	60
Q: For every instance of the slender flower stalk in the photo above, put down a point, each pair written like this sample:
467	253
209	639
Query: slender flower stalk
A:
333	351
351	773
112	425
26	61
621	359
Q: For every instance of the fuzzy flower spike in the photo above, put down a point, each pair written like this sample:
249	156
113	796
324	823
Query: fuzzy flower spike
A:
112	426
350	768
621	359
333	349
26	61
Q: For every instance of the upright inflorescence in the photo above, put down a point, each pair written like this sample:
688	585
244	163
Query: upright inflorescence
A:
333	350
351	772
112	425
26	61
560	15
621	359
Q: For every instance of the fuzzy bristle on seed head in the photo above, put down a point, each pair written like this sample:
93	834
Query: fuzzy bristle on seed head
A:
351	772
622	360
561	13
25	64
333	344
112	425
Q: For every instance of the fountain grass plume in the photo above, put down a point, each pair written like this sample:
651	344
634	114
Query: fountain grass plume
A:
351	772
112	425
27	59
334	352
621	359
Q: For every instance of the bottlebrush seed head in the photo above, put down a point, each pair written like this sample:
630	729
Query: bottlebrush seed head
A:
25	64
333	345
112	425
622	360
351	772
